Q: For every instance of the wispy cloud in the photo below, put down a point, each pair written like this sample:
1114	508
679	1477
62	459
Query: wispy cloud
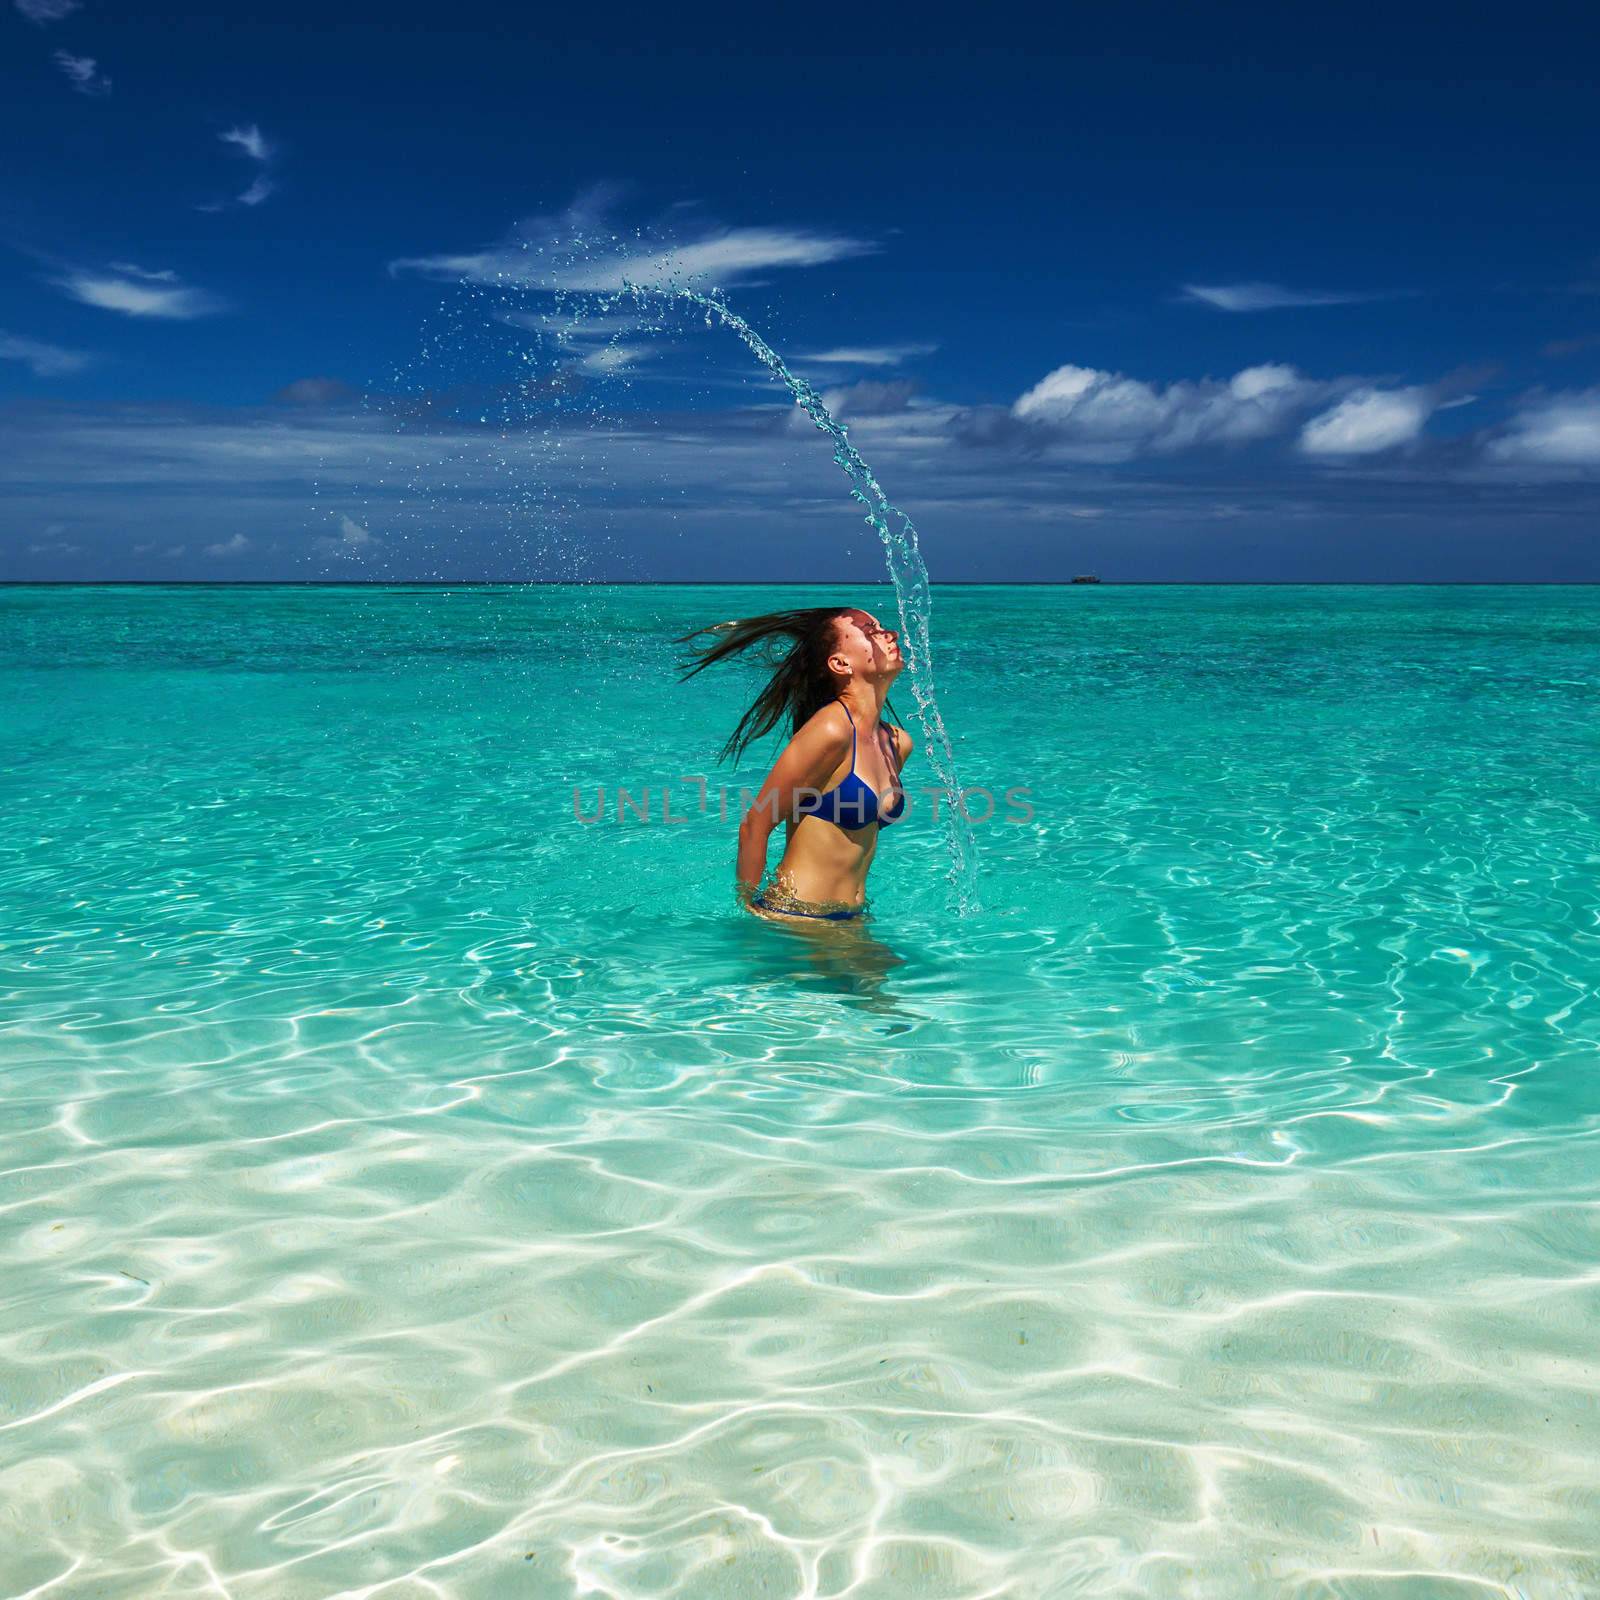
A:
131	269
1369	421
83	73
591	343
1271	296
136	292
1558	348
248	138
315	392
235	546
1556	430
1091	415
44	12
727	258
581	251
45	360
877	355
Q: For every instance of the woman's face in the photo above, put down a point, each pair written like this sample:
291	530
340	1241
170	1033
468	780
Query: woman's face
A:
871	650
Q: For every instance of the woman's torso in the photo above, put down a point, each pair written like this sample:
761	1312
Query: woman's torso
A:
826	862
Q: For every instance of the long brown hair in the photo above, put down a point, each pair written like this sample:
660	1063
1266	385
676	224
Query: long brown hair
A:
795	645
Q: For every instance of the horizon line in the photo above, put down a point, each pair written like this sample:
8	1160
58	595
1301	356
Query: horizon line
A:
793	583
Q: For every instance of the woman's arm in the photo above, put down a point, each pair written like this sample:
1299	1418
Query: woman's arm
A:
806	761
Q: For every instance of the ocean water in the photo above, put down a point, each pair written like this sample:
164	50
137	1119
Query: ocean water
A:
411	1189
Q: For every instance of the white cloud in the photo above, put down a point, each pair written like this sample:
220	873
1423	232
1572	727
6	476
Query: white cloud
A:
45	360
1268	296
593	343
351	539
46	11
882	355
1558	430
237	545
83	73
137	293
250	140
1092	415
129	270
1367	421
720	260
723	259
580	251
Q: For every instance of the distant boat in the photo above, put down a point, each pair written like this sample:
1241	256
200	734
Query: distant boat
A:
1087	577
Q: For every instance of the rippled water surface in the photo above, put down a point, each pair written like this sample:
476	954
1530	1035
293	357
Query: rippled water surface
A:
412	1190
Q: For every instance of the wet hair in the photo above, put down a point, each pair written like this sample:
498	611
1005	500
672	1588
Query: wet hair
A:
794	645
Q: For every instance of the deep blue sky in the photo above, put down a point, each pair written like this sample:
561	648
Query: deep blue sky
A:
1159	292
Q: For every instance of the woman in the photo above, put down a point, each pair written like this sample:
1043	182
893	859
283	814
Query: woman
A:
837	783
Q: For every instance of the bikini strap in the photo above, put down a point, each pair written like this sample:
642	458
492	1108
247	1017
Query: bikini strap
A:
840	699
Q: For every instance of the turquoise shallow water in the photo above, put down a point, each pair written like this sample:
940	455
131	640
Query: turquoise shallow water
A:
411	1190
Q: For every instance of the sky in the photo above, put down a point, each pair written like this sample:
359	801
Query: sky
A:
1161	293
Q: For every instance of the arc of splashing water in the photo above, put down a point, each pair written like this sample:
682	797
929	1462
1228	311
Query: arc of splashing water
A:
907	571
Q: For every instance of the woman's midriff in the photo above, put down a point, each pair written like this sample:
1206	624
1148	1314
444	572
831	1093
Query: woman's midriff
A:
820	870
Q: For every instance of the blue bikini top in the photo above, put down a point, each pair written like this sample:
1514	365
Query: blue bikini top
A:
852	802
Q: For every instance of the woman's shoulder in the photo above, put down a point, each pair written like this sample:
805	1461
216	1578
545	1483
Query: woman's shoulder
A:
904	744
828	719
826	731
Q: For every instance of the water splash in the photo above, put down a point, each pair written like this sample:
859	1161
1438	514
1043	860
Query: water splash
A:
907	570
595	318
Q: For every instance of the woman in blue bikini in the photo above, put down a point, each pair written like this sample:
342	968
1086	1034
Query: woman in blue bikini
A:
837	783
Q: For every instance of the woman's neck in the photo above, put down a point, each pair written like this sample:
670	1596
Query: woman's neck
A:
865	701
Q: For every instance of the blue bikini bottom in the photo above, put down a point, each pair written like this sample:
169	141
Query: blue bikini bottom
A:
760	902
